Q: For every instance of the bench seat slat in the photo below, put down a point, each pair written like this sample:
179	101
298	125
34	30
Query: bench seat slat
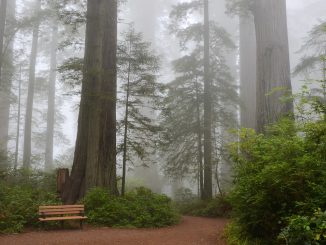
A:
49	213
62	206
60	210
62	218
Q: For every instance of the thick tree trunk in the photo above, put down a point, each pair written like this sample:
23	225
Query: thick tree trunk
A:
51	100
208	191
95	153
247	72
30	95
3	13
273	65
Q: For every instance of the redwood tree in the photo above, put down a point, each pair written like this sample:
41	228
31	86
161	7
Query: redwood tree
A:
207	191
247	71
30	95
273	65
95	153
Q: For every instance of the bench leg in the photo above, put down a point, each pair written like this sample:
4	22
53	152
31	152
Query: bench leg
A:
81	224
61	222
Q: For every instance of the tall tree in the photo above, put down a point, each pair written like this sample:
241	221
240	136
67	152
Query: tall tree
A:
183	118
273	64
30	95
3	13
95	153
7	70
247	71
51	98
207	191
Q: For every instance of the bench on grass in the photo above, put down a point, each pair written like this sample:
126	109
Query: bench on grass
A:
62	213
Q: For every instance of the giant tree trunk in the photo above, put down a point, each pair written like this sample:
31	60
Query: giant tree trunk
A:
51	100
247	72
95	153
273	65
30	95
208	191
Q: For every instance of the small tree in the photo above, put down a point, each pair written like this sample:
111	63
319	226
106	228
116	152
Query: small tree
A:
138	68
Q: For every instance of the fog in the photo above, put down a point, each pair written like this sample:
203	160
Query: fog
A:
153	19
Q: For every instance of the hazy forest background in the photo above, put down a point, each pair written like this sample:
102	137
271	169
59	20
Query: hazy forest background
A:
199	100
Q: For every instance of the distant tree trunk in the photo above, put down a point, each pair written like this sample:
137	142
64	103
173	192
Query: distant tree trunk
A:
125	136
18	118
3	14
95	153
199	144
273	65
248	72
51	100
6	76
208	190
30	95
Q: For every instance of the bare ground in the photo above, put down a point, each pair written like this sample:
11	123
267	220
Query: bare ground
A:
191	231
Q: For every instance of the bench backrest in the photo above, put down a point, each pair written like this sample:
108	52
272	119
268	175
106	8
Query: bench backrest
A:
61	210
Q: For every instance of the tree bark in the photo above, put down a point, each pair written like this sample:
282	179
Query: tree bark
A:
208	191
95	153
51	100
30	95
247	72
273	65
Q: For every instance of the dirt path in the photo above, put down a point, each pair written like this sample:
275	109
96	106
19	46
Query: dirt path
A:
191	231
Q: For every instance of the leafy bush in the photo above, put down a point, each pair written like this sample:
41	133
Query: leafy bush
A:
277	175
305	229
21	193
217	207
234	235
139	208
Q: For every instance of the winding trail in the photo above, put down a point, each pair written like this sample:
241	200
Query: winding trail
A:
191	231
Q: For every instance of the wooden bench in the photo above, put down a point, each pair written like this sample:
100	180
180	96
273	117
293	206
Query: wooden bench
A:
62	213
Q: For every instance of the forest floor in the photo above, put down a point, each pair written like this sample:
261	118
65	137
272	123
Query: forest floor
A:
190	231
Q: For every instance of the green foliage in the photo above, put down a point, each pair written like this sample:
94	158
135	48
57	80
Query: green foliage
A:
277	175
139	208
234	234
188	204
305	229
217	207
21	193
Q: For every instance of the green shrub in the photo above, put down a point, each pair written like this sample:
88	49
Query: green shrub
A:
277	175
21	193
139	208
217	207
19	207
305	229
234	235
